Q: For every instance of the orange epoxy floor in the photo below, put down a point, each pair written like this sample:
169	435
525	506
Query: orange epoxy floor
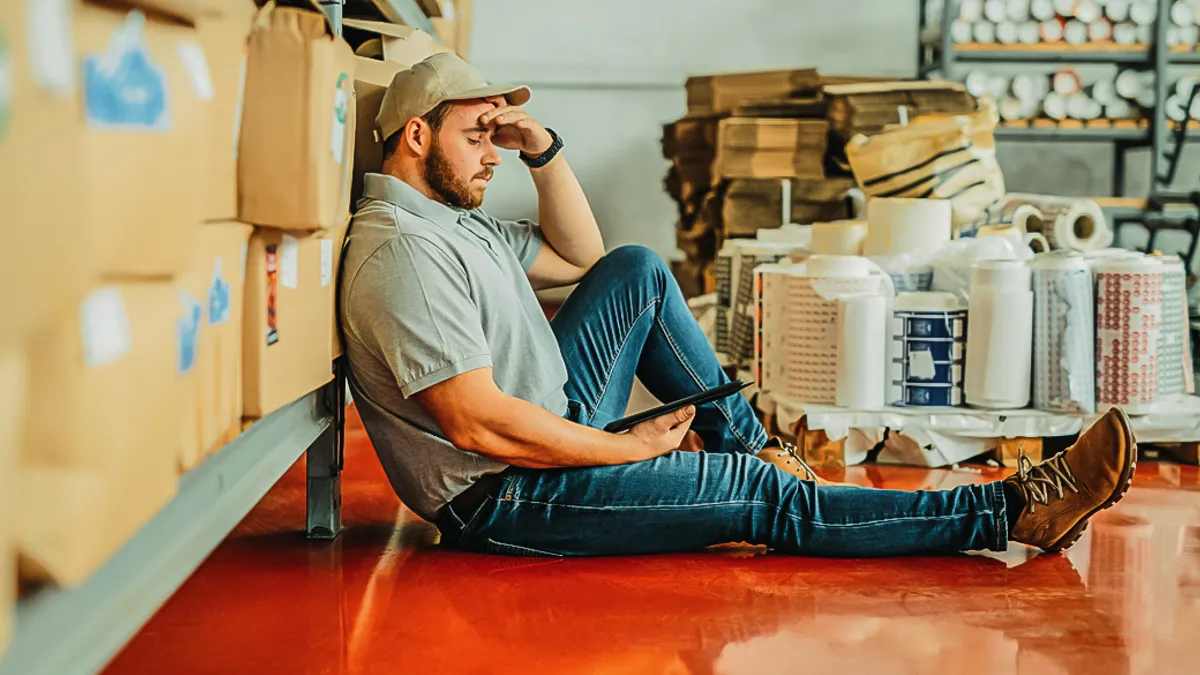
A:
385	599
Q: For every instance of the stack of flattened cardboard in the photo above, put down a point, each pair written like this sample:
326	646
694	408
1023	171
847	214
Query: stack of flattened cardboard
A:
758	150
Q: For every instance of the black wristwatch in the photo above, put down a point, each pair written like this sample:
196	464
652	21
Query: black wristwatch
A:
544	158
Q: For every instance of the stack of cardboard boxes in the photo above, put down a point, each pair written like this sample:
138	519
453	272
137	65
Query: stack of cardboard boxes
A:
176	183
758	150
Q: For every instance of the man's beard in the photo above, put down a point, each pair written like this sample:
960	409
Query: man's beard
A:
448	185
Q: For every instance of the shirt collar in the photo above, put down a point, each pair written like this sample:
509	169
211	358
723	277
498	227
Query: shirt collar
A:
395	191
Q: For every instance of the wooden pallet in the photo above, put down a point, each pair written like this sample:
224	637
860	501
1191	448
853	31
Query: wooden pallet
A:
819	451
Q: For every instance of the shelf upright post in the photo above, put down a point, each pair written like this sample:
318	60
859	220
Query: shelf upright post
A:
325	460
333	10
1158	112
949	12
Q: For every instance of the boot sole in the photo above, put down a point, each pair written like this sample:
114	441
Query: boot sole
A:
1126	480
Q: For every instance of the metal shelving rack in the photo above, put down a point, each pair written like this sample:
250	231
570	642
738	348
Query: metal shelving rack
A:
1161	210
69	631
948	58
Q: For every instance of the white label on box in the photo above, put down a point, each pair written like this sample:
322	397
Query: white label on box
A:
237	113
341	108
195	64
289	262
326	262
104	325
52	44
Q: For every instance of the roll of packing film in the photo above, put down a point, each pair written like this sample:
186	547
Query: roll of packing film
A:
840	237
1066	222
1063	342
1128	323
928	350
1036	242
862	351
906	226
1175	343
1000	324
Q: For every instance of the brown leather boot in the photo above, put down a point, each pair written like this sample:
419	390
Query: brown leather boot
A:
785	457
1064	491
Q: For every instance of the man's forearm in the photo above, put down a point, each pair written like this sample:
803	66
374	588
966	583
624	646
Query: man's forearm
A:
565	216
522	434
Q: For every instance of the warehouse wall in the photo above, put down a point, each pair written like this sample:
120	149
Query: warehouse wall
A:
607	75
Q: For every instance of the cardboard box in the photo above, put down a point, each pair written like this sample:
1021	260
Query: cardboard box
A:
147	94
106	390
297	140
224	42
41	219
289	343
12	398
217	279
388	49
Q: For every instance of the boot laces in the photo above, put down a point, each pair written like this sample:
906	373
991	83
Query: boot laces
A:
794	456
1037	481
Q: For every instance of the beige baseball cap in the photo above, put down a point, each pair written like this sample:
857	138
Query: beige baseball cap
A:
439	78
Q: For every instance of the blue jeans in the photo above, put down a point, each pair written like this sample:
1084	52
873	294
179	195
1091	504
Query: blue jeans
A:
628	316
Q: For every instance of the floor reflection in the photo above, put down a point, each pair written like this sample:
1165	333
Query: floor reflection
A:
386	599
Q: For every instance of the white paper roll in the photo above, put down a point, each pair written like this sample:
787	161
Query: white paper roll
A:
1006	33
1080	107
1068	222
1117	10
1000	330
1067	82
906	226
976	83
995	10
984	32
1064	7
1042	10
1030	87
1124	33
840	237
1104	91
1018	10
1036	242
1002	274
1128	318
1182	14
862	351
1100	30
1087	11
960	32
1076	32
1028	33
1143	12
1052	31
1010	108
970	10
1129	84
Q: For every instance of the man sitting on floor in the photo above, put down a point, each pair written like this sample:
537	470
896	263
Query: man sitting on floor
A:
487	418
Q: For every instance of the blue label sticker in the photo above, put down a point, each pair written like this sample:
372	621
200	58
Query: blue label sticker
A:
187	332
218	297
123	87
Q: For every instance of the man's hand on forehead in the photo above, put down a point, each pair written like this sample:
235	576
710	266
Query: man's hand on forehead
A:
515	129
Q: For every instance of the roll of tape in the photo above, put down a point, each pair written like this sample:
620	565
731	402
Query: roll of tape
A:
906	226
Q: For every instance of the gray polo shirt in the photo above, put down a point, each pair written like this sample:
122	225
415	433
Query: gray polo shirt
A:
429	292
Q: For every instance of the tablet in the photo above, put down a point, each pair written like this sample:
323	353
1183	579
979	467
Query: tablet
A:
703	397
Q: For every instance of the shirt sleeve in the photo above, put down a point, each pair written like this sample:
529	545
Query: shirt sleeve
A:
423	319
523	236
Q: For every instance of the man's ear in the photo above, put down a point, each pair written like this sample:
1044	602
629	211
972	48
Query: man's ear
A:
418	136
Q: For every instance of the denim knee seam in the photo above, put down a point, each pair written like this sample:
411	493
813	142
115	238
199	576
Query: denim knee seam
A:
617	356
699	382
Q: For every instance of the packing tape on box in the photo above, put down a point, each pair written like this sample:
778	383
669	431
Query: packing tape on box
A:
1129	308
1063	342
927	350
1175	342
862	351
840	237
1000	323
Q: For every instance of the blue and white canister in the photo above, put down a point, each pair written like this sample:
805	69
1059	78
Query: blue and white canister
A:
928	350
